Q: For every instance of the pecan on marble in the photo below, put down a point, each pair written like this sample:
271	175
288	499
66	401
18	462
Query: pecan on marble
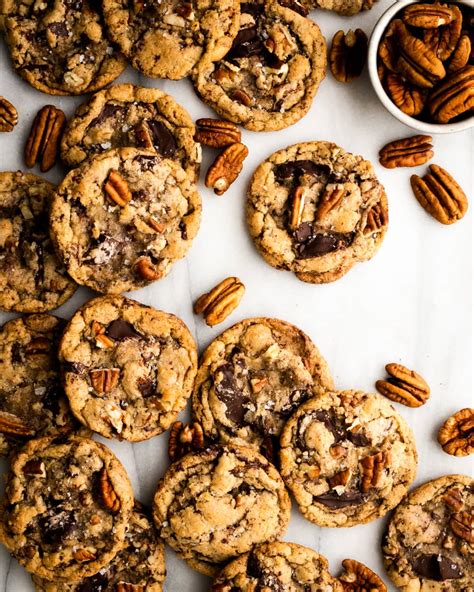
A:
43	141
221	301
8	115
407	152
226	168
216	133
348	55
357	577
456	435
404	386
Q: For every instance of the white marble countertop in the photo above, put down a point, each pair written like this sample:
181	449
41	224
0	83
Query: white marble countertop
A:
412	303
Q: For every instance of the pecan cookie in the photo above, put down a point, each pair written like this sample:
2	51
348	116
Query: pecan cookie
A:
316	210
138	567
166	39
218	503
31	276
268	79
32	401
59	46
128	369
128	115
344	7
251	379
66	508
429	540
348	458
277	566
120	220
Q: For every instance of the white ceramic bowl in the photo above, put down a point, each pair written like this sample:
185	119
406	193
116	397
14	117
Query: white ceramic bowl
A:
422	126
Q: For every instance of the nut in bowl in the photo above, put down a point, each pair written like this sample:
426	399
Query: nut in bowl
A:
420	65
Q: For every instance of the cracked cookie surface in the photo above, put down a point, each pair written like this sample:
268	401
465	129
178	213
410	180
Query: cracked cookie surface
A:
59	46
31	276
348	457
218	503
128	369
66	508
316	210
132	116
252	377
278	566
344	7
268	79
138	567
429	540
120	220
167	39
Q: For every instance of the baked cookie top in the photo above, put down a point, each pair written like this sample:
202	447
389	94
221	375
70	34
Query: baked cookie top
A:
429	540
167	39
66	508
59	46
316	210
344	7
252	377
132	116
138	567
348	457
277	566
268	79
31	276
128	369
218	503
120	220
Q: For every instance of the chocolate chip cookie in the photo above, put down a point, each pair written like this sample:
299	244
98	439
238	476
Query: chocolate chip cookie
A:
268	79
31	276
348	458
128	115
167	39
251	379
277	566
66	508
59	46
128	369
139	567
429	540
316	210
120	220
344	7
218	503
32	401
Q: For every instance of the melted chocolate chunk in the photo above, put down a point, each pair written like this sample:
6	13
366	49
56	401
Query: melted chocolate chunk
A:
294	5
296	398
254	569
296	168
229	393
253	8
246	44
147	387
75	367
16	353
358	438
58	527
97	583
436	567
348	498
322	244
303	232
109	110
59	29
163	139
120	330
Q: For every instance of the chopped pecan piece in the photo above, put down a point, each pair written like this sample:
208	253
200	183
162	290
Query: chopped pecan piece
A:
117	189
226	168
404	386
453	97
155	225
341	478
258	383
105	379
127	587
427	16
143	136
145	269
295	5
330	199
462	524
43	142
443	40
109	498
84	555
456	435
103	341
453	499
417	62
184	438
242	97
217	133
221	301
408	98
377	218
460	56
38	345
348	55
357	577
11	425
407	152
8	115
440	195
372	469
297	207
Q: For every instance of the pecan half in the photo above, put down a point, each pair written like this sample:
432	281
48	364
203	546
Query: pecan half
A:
216	133
460	56
43	142
453	499
105	379
242	97
348	55
146	270
417	62
377	218
456	435
454	96
109	498
184	438
127	587
330	199
408	98
372	469
341	478
357	577
388	47
221	301
11	425
226	168
84	555
440	195
427	16
443	40
407	152
404	386
143	136
297	207
462	524
8	115
117	189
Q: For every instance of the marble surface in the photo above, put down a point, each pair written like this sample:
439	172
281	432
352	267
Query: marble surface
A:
410	304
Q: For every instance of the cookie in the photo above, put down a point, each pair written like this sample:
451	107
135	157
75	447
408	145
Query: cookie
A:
138	567
66	508
348	458
277	566
128	369
218	503
316	210
59	46
120	220
344	7
167	39
32	400
31	276
268	79
128	115
252	377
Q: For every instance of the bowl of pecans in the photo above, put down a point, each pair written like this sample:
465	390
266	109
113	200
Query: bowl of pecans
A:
421	64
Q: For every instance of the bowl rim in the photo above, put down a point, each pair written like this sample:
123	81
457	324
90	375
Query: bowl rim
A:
423	126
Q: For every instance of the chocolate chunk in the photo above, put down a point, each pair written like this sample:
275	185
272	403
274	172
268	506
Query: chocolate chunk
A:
297	397
16	353
59	29
294	5
254	569
146	163
75	367
253	8
229	393
163	139
303	232
348	498
109	110
322	244
147	387
120	330
246	44
358	438
266	582
436	567
97	583
51	398
296	168
58	527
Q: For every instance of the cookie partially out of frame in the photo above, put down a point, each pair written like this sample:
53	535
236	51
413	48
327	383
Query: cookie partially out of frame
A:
344	7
